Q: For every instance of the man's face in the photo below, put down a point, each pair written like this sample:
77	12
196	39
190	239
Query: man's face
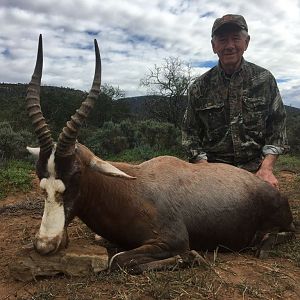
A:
230	44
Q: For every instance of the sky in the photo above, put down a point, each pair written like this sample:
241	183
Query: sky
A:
136	35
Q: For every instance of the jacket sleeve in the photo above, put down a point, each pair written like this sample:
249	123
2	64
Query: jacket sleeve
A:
276	138
192	131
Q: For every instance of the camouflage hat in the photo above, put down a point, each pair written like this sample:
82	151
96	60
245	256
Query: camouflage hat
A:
229	19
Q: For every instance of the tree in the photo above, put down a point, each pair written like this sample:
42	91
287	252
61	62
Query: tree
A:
104	106
113	92
168	84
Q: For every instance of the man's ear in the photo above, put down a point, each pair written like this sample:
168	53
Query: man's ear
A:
247	42
213	46
35	152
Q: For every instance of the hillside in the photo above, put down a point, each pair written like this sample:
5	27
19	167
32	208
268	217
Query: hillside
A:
137	105
54	101
12	102
60	103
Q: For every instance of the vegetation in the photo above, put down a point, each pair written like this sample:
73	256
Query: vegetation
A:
133	137
142	153
289	250
15	176
169	84
293	128
288	162
58	104
128	119
12	143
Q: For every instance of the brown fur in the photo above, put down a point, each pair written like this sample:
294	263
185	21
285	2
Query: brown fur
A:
172	206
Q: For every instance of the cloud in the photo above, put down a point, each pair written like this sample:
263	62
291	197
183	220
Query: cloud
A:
134	35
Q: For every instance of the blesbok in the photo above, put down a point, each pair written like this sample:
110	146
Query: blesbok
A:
155	210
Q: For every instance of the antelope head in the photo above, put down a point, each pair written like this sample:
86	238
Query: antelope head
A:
56	162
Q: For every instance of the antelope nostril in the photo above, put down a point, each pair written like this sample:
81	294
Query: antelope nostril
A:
43	183
60	187
45	246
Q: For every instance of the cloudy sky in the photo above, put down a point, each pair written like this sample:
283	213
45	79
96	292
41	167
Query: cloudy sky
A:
137	34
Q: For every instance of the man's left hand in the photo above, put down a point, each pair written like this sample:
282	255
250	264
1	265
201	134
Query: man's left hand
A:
268	176
265	171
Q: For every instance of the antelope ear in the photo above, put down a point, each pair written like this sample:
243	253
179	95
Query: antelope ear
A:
34	151
106	168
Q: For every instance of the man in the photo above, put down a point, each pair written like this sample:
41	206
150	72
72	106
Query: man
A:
235	113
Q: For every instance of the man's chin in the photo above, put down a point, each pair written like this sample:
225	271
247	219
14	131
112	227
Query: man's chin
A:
230	59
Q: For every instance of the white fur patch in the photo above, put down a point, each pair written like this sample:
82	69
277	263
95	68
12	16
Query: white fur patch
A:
34	151
53	220
51	165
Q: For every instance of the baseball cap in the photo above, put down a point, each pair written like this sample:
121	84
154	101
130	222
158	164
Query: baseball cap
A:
229	19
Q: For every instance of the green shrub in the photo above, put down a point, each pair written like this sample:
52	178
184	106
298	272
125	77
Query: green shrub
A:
142	153
115	138
107	140
157	135
13	144
15	176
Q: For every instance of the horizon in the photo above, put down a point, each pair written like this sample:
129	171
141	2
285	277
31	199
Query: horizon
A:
125	97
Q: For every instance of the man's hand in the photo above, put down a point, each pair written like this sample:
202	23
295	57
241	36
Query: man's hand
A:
265	171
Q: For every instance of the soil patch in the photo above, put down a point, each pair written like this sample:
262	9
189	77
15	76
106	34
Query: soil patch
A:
230	275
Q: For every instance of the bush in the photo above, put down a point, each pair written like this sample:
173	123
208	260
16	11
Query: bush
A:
13	144
142	153
108	139
158	135
115	138
15	176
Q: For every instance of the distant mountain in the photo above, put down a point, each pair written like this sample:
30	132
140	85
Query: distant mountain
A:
57	102
290	110
138	105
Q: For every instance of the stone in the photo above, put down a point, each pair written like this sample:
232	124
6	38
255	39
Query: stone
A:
79	259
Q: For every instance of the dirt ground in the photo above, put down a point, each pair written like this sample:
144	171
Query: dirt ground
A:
230	275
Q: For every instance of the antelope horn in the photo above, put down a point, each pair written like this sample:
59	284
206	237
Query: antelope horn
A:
33	104
67	138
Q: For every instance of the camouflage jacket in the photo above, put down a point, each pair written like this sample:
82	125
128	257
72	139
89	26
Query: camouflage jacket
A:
234	119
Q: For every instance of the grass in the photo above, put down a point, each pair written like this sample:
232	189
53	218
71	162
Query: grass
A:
247	289
290	250
142	153
288	162
189	283
15	176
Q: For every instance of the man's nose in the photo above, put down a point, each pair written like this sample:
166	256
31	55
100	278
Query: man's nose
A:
230	43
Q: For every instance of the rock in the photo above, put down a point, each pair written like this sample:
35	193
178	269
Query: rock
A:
79	259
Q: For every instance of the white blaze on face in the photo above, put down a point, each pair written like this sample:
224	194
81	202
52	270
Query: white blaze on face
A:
54	216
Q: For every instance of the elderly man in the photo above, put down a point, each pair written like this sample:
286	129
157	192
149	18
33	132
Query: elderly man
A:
235	113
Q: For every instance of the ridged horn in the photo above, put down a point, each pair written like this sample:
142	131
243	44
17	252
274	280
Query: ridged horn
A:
33	104
67	138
